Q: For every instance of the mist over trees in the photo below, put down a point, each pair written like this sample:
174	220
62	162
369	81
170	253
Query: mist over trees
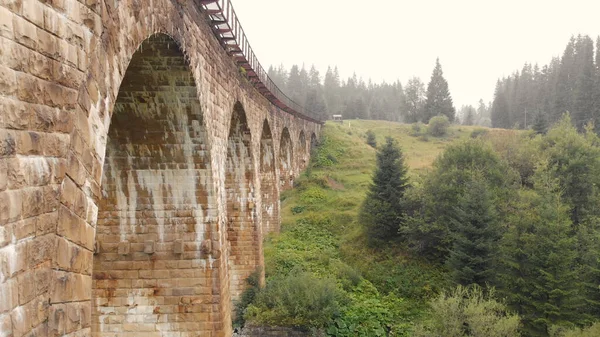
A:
329	95
541	94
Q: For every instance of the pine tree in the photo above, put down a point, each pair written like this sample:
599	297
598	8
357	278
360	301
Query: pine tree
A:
500	111
294	85
315	100
475	235
439	101
538	255
540	123
382	211
415	98
331	90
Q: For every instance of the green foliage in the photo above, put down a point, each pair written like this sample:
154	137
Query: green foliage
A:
591	331
248	296
538	95
439	101
469	312
382	210
478	133
475	235
540	123
296	300
327	153
371	139
438	126
313	195
416	129
298	209
574	159
368	313
432	207
307	246
538	257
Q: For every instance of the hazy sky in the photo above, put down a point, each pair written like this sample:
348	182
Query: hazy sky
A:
476	41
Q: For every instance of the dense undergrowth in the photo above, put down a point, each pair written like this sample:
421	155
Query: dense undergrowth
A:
499	236
320	273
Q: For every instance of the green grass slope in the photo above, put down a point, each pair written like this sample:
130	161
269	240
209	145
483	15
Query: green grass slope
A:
383	290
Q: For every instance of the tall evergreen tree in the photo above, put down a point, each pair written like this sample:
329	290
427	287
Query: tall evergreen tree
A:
414	94
500	113
382	211
539	278
294	85
331	89
475	235
439	101
315	100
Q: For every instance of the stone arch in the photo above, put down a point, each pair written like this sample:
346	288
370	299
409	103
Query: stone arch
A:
242	234
286	160
268	183
302	153
153	248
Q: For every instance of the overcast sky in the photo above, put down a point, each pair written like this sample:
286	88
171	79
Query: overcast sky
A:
477	41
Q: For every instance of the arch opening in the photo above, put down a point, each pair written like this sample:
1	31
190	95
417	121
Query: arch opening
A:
239	185
286	155
155	262
303	155
268	182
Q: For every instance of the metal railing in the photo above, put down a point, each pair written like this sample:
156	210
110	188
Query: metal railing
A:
228	30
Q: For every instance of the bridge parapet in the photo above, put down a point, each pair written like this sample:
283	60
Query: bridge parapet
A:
229	31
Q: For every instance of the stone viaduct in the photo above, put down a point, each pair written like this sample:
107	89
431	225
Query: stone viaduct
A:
141	164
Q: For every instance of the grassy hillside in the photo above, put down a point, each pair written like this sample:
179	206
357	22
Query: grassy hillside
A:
321	235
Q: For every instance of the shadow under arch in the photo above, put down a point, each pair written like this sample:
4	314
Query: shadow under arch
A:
302	153
268	181
286	160
242	232
154	257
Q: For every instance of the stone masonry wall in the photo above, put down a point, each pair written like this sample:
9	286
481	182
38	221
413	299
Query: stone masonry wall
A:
268	182
113	169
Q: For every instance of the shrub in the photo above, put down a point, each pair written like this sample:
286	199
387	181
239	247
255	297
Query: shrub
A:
296	300
438	126
416	129
591	331
469	312
247	297
478	133
298	209
313	195
371	139
369	313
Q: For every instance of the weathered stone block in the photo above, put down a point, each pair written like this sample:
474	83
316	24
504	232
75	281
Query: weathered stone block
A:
124	247
25	32
178	246
67	287
149	247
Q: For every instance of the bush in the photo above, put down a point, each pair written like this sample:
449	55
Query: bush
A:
297	300
469	312
371	139
478	133
416	129
368	313
592	331
247	297
438	126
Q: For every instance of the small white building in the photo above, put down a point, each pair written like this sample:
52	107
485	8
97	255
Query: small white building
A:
337	118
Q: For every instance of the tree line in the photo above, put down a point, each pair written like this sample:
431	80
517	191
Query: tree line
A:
540	95
355	98
514	212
